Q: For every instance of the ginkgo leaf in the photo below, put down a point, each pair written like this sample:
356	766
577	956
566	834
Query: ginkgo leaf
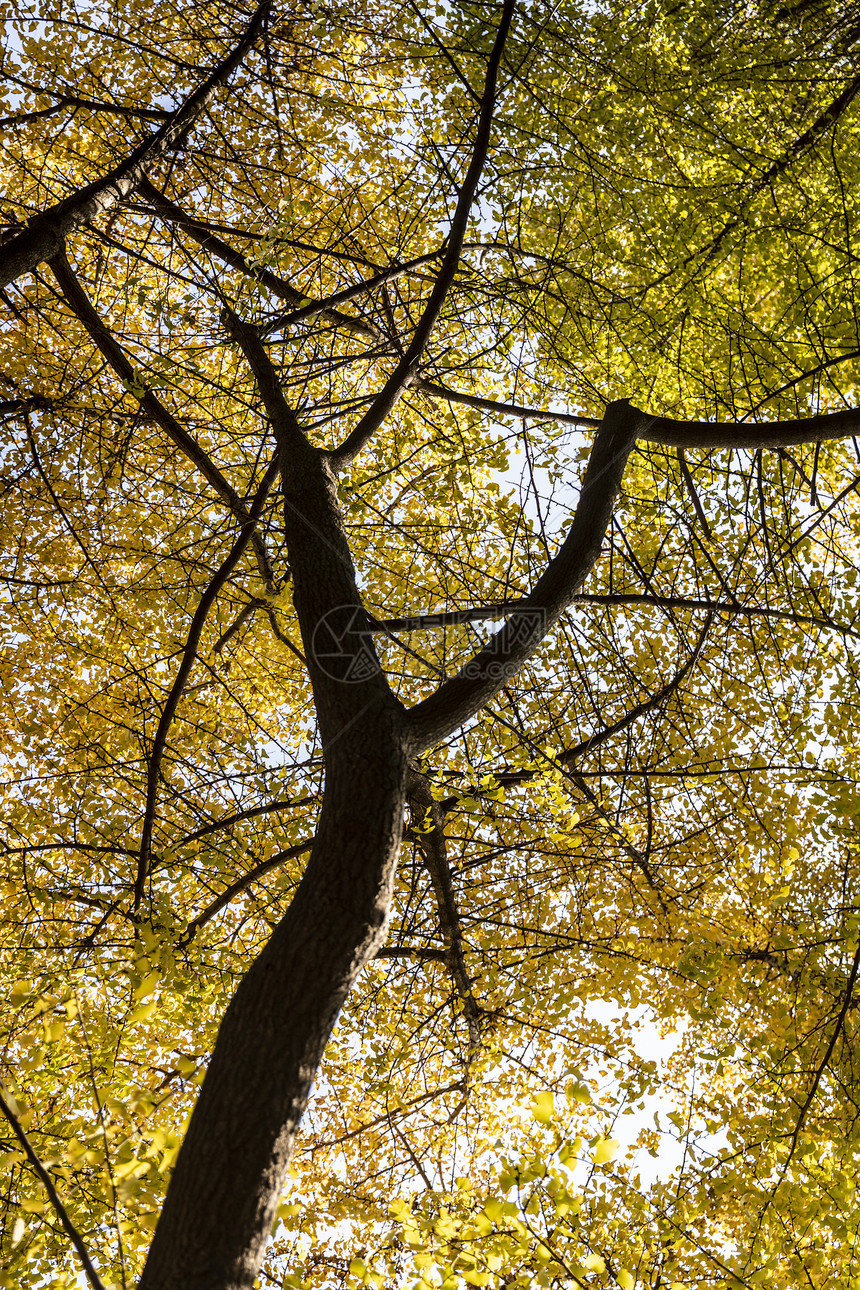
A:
605	1150
542	1107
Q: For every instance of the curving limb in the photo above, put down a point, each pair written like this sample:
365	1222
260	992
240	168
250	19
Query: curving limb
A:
459	699
45	233
434	390
667	432
81	305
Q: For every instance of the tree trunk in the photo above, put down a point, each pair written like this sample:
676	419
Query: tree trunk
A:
225	1188
230	1170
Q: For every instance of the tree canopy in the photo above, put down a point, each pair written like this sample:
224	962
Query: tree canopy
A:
430	619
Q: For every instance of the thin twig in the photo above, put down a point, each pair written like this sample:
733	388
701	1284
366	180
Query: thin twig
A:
692	491
220	902
822	1066
189	655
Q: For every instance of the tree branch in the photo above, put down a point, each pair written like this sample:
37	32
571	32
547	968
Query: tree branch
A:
210	242
45	233
435	391
421	952
73	100
250	814
748	436
189	656
68	846
389	1115
633	853
671	433
289	434
456	617
690	486
510	779
33	403
428	831
241	884
822	1066
47	1182
104	340
327	306
796	148
405	371
240	619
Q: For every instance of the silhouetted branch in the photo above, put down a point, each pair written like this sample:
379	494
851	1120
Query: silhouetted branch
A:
45	233
47	1182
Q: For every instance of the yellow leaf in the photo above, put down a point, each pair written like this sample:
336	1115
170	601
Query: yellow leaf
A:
132	1168
579	1093
606	1150
147	985
20	991
143	1013
542	1108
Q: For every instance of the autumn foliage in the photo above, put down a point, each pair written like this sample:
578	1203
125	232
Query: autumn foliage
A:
321	311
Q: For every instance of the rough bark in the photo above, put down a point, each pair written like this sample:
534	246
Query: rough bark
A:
230	1171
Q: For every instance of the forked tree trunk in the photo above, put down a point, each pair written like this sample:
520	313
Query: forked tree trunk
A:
224	1192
